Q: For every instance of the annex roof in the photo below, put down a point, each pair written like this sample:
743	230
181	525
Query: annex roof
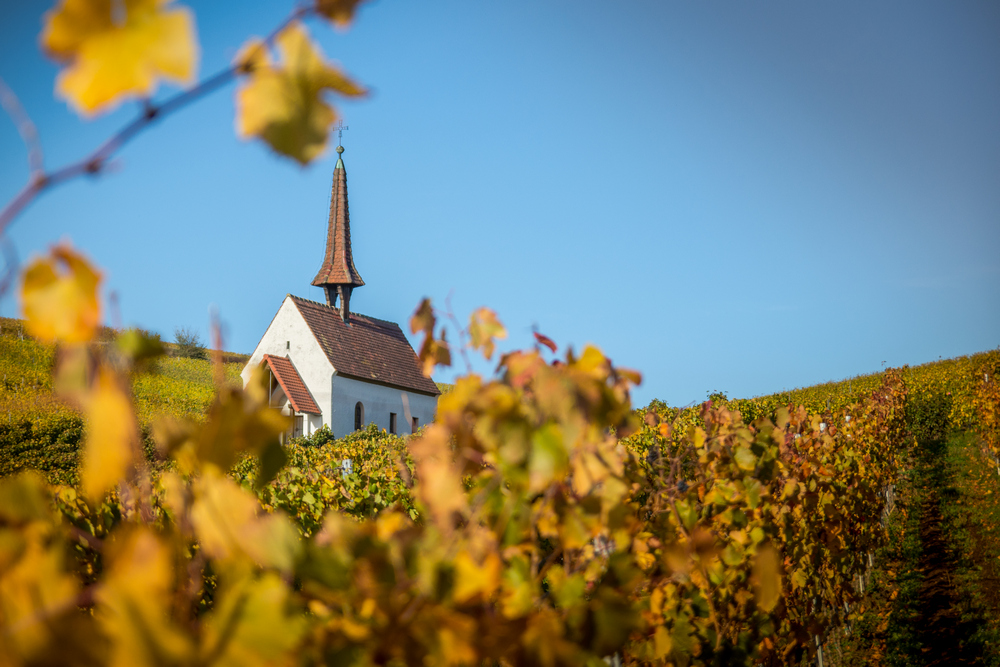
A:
291	383
367	349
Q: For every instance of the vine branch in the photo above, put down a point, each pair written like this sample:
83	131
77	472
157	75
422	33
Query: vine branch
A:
40	180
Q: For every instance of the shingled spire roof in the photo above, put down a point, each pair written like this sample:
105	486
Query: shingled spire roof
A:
338	276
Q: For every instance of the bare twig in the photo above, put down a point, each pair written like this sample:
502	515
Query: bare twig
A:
11	264
94	163
218	372
461	333
25	127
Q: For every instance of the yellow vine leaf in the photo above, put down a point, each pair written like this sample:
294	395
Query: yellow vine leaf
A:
230	522
474	579
59	296
114	50
34	579
767	577
252	622
133	603
283	103
484	327
111	431
340	12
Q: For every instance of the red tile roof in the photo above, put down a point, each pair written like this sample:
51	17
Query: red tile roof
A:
292	384
369	349
338	263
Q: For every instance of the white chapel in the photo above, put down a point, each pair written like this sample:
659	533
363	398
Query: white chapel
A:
329	366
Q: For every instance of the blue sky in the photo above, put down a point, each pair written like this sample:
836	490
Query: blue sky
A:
726	196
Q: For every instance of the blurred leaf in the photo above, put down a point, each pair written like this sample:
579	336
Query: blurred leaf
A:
423	318
272	459
745	458
24	498
283	103
139	346
113	50
133	602
484	327
340	12
37	593
518	593
548	460
252	622
109	449
474	579
434	353
229	522
238	421
59	295
546	341
439	482
767	577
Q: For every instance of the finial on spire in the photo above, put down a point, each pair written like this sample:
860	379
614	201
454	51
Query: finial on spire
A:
340	135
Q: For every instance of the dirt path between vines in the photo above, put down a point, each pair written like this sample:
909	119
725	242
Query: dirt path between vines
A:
944	637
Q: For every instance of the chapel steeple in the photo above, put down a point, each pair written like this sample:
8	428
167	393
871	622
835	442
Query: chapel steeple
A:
337	276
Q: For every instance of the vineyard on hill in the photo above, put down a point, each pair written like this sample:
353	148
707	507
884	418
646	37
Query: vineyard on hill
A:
40	431
540	520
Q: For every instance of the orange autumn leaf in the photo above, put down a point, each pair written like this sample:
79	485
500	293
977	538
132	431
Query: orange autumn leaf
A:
423	318
433	352
484	327
59	295
546	341
113	50
440	480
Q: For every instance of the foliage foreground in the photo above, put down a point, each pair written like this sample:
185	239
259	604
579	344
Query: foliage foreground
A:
539	520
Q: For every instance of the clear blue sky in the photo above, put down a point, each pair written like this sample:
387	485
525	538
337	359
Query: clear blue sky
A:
726	196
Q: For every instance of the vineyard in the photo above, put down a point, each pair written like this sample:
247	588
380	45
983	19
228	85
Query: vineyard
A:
540	520
43	432
154	511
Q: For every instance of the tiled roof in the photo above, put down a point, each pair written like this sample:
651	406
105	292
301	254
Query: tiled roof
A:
292	384
338	262
369	349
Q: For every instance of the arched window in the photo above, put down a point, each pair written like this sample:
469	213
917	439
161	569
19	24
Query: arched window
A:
359	416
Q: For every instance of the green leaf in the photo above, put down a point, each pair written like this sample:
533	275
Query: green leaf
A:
745	458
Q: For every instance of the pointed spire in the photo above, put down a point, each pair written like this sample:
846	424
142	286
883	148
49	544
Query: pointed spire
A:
338	276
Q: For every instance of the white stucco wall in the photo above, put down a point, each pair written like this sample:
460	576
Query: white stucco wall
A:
378	402
302	348
289	335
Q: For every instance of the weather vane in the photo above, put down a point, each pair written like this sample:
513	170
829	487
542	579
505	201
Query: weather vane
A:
340	131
